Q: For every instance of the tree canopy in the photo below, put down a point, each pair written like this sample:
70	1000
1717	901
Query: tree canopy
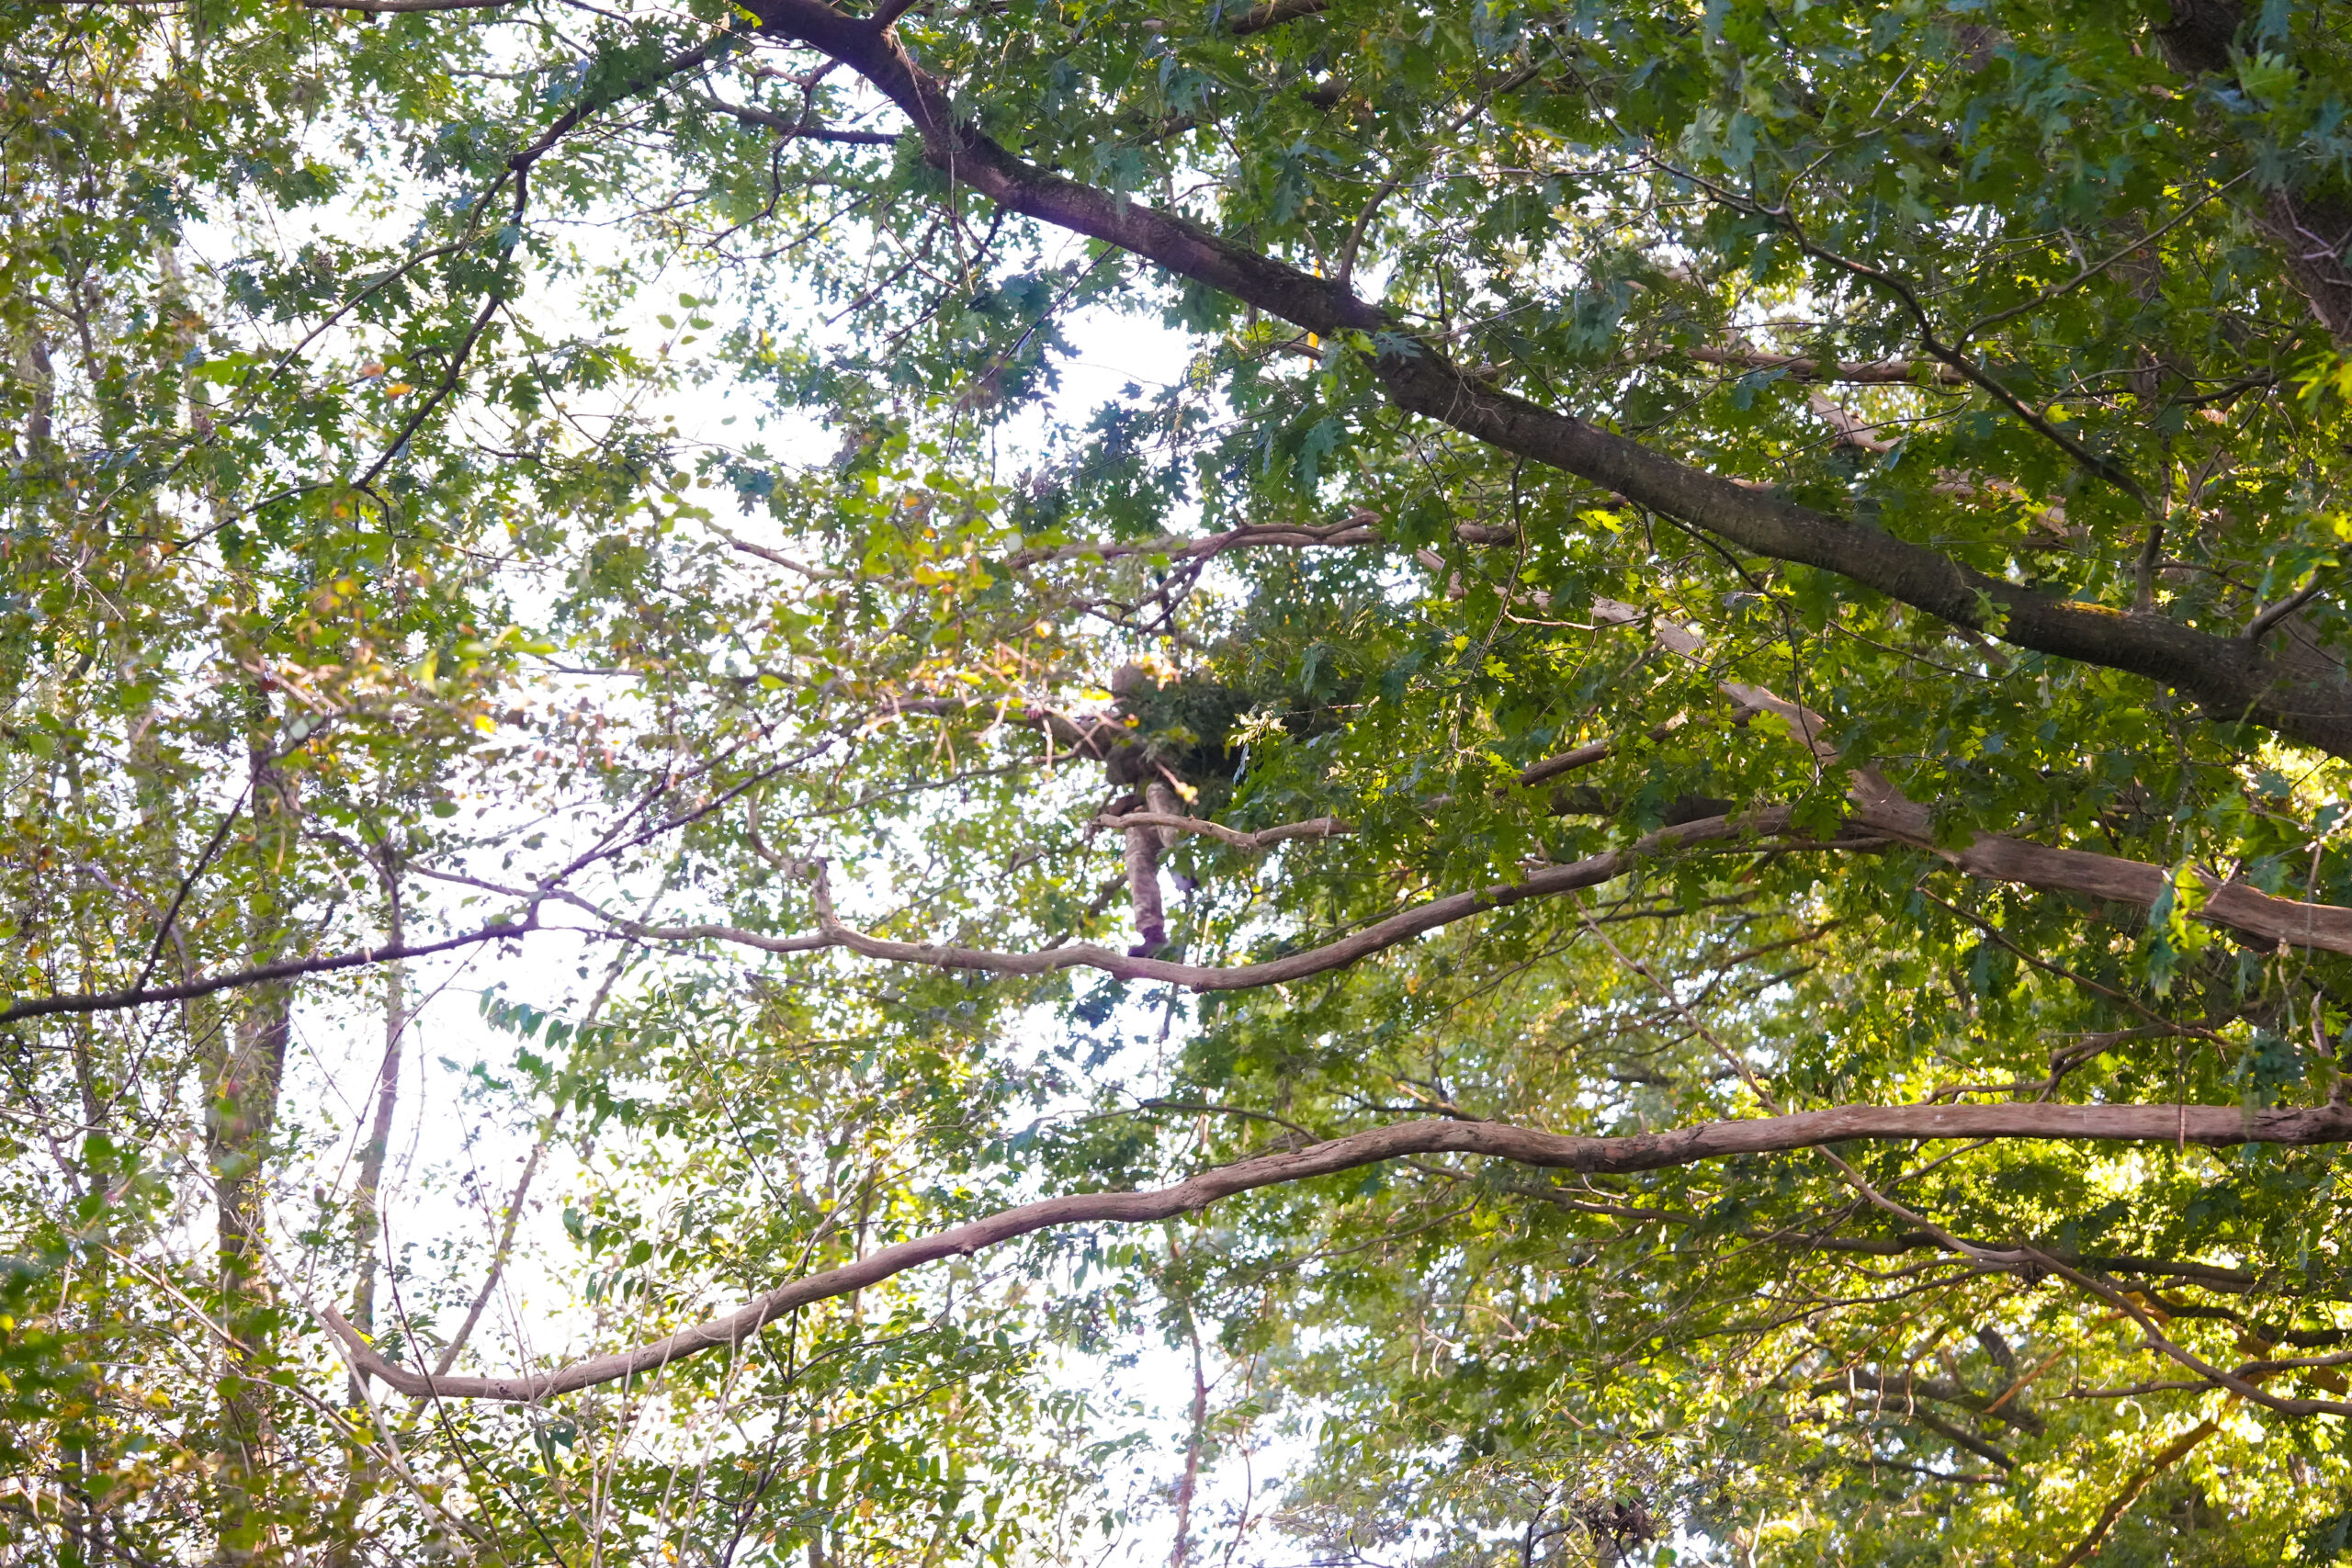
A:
1657	868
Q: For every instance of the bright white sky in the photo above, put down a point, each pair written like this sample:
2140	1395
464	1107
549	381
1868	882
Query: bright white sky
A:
440	1137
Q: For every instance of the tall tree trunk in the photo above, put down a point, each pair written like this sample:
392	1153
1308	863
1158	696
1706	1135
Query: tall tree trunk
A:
1192	1445
367	1225
245	1069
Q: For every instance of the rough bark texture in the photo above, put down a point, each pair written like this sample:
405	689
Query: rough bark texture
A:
2310	228
244	1074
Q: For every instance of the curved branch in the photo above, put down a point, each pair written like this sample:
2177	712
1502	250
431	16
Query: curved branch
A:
2214	1126
1882	813
1400	928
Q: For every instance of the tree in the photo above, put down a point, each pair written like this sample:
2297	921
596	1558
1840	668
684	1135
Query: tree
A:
1664	852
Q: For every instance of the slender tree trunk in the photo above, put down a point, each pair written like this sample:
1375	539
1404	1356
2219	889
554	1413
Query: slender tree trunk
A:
1185	1488
366	1221
32	364
244	1070
367	1225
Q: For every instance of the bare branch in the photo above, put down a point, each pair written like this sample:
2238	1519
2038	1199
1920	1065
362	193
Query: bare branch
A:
1356	530
1869	372
1382	934
1882	813
261	974
2326	926
2217	1126
1317	827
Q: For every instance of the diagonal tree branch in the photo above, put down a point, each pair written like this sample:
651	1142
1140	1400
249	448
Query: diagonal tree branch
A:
2217	1126
2297	691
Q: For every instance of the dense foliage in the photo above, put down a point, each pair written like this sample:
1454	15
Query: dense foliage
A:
1654	869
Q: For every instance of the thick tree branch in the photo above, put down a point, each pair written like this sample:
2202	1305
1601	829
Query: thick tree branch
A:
2297	691
2217	1126
1273	14
2326	927
1882	813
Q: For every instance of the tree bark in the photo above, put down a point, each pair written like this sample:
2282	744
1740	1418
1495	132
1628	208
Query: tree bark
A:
2295	690
244	1071
367	1225
1196	1437
2214	1126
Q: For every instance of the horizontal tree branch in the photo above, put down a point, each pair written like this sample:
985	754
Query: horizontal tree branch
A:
1357	530
392	7
1273	14
260	974
1317	827
1902	372
2215	1126
1882	813
2210	1276
1397	929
